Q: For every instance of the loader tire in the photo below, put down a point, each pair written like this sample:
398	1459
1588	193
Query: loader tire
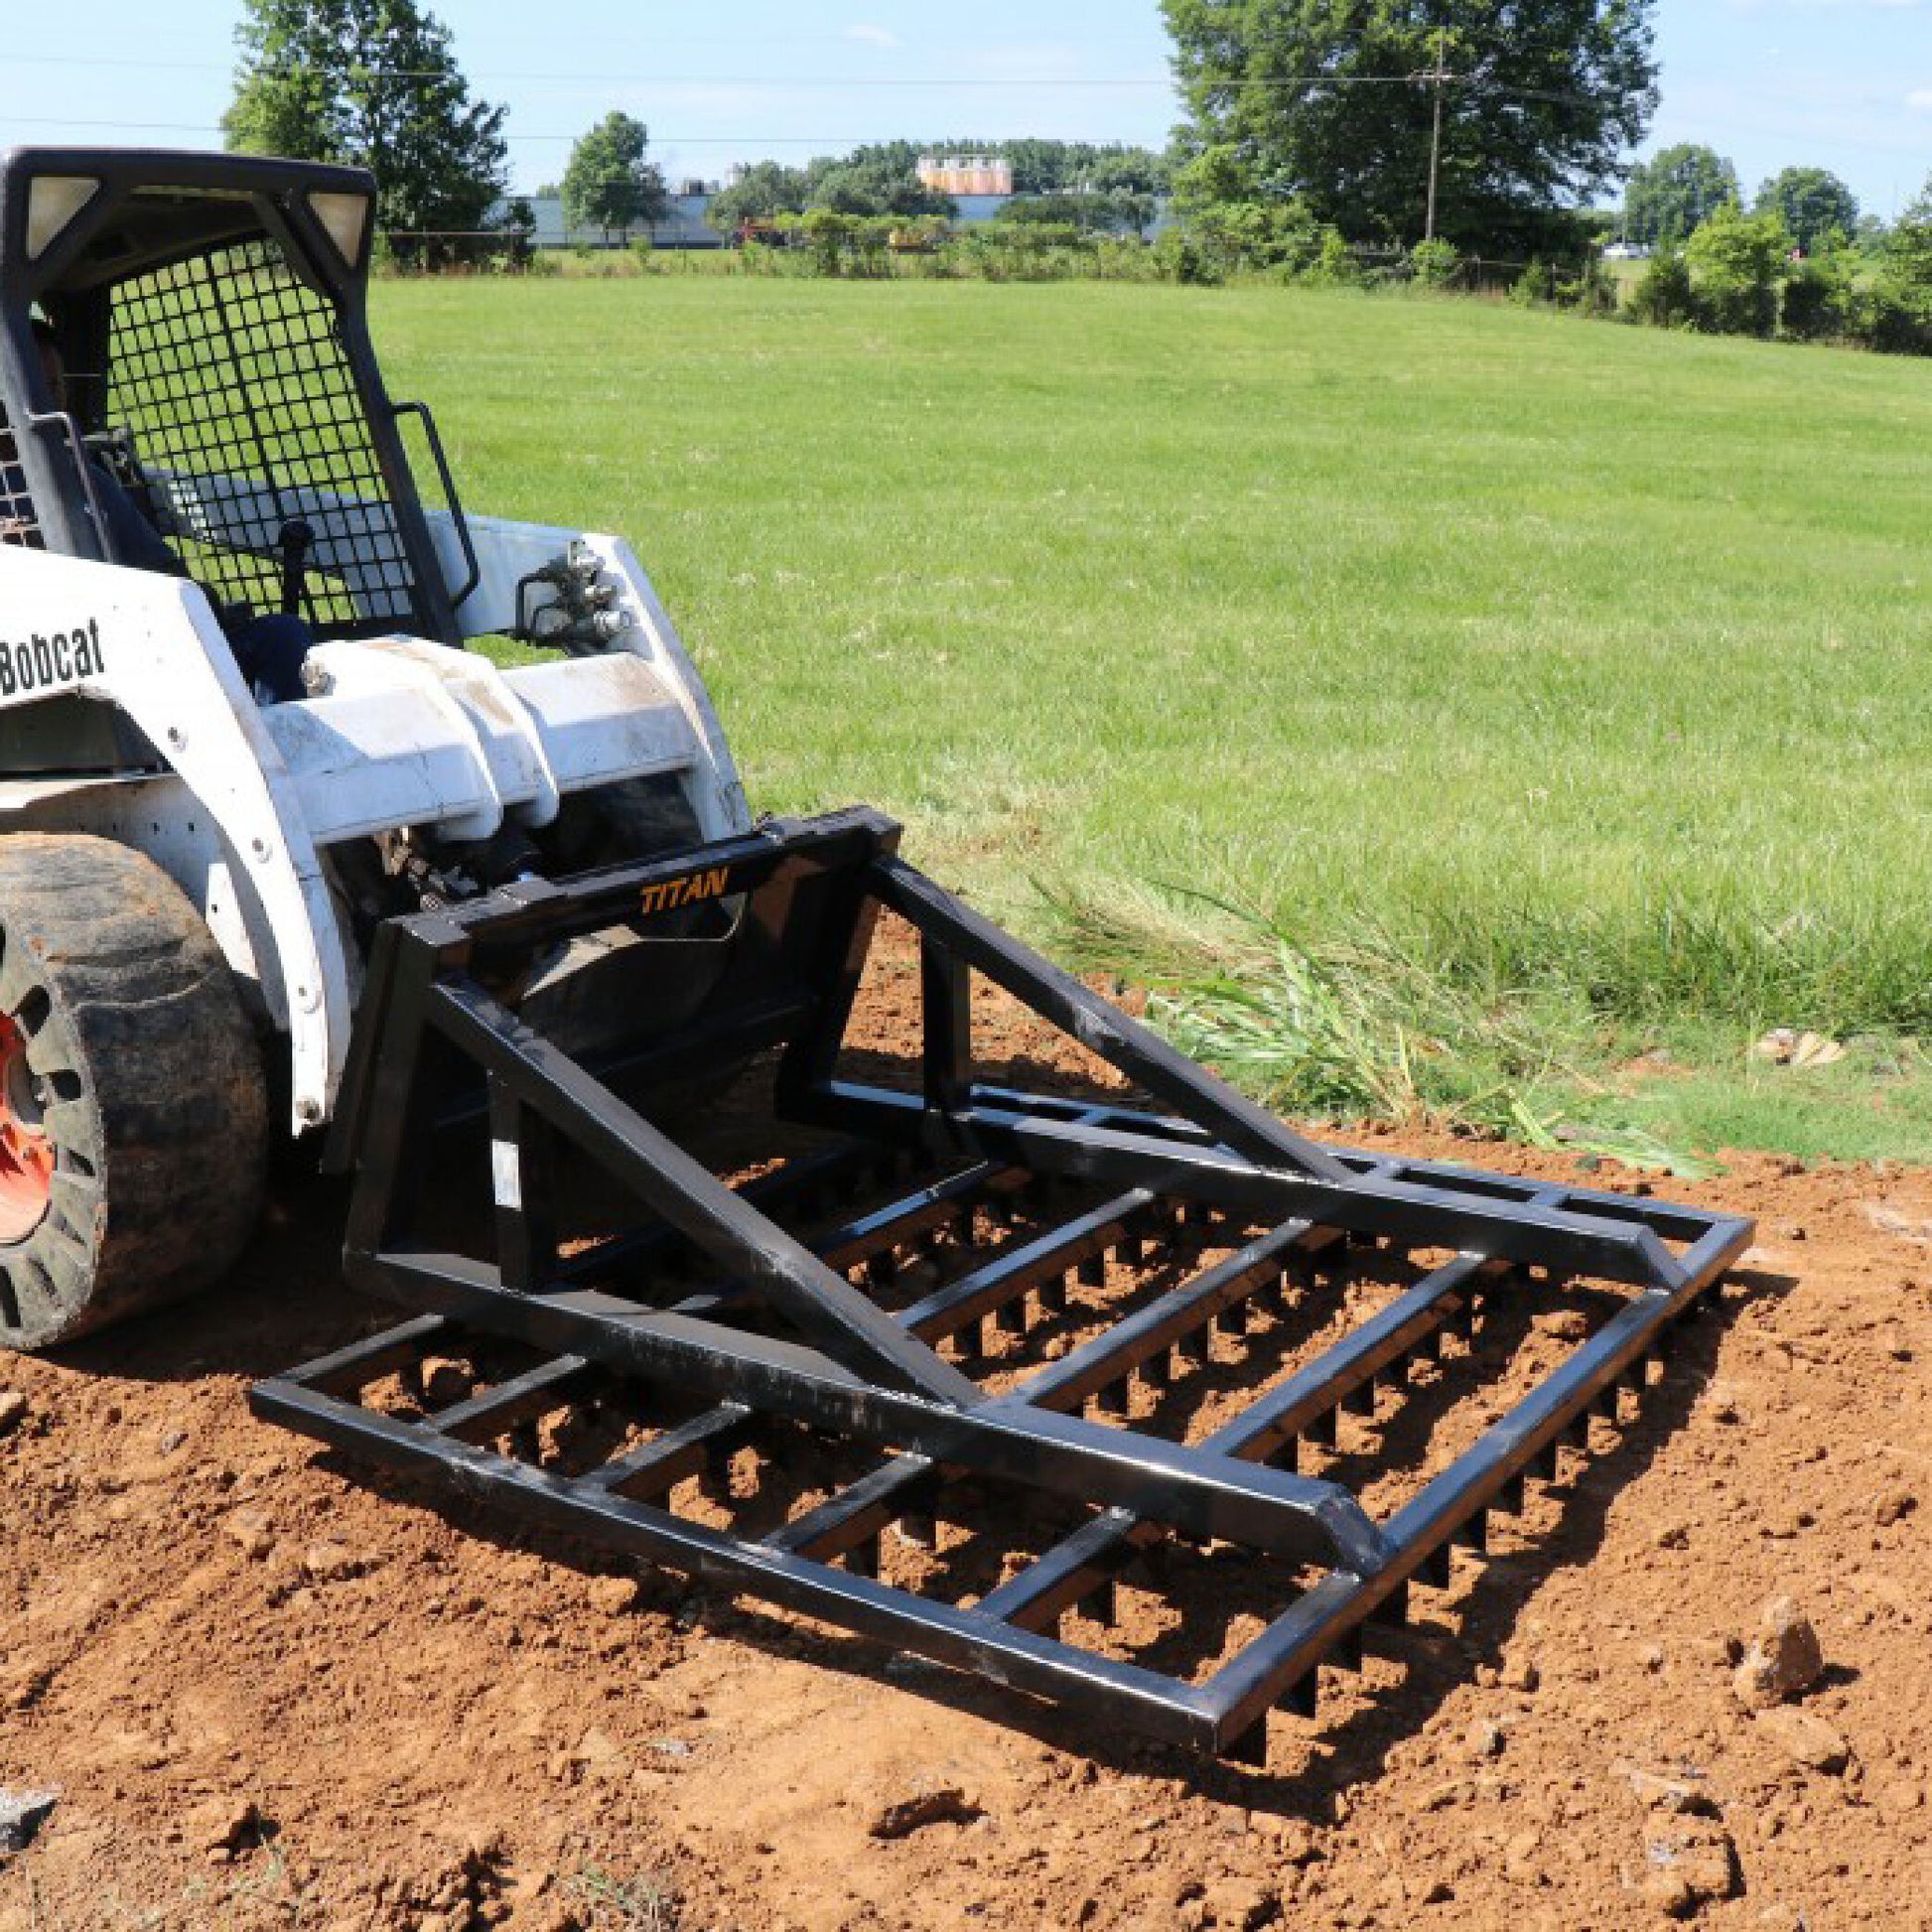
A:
133	1118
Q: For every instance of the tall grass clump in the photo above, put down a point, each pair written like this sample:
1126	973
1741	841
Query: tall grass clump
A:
1364	1031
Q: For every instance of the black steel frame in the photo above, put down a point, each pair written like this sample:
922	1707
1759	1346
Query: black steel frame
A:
787	1329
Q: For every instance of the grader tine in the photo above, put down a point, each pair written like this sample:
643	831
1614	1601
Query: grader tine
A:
1058	1320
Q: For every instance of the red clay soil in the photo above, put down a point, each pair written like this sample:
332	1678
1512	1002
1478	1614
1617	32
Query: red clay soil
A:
272	1693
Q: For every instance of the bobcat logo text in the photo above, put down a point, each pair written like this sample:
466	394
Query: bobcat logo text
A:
54	664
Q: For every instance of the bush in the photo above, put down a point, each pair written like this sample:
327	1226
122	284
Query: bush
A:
1594	292
1738	267
1334	265
1433	264
1820	296
1278	239
1180	256
1535	286
1663	297
1887	319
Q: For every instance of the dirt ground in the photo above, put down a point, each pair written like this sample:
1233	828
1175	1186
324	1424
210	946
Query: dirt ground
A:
270	1692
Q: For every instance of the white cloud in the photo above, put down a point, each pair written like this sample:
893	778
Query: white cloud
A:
870	36
1920	100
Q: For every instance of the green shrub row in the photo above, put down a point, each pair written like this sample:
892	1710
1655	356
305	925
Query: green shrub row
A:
1738	275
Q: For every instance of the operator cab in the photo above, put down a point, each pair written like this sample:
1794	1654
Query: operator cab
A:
211	311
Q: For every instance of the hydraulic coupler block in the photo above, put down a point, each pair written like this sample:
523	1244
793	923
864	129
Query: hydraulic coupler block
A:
581	614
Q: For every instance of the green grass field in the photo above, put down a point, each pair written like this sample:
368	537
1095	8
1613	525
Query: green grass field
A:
1575	676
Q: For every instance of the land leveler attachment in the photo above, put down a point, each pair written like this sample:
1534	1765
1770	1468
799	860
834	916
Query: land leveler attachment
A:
1037	1384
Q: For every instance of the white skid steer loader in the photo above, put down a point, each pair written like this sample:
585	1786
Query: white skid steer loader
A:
493	928
184	871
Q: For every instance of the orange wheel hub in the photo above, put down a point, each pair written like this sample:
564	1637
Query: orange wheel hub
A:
26	1152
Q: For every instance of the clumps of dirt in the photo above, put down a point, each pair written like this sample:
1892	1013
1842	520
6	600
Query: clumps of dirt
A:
272	1691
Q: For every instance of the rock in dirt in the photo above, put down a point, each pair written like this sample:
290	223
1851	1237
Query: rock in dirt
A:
601	1754
13	1411
1894	1506
222	1830
1486	1738
328	1561
615	1595
22	1813
1889	1220
939	1804
1784	1662
1241	1905
1663	1793
1688	1869
1523	1858
248	1531
1519	1673
1804	1737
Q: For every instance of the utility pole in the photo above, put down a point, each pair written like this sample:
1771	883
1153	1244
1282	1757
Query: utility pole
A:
1439	76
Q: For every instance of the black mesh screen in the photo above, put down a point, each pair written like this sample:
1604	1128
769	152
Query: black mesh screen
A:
18	523
230	378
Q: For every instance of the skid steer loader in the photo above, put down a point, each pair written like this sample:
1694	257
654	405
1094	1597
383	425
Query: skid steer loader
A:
1042	1382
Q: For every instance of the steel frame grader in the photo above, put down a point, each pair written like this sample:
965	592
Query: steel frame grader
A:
961	1358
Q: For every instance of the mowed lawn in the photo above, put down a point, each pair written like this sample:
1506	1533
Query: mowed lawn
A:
1549	653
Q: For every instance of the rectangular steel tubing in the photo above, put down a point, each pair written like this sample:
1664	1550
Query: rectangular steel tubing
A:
1060	1577
1106	1543
861	1510
932	1207
784	1273
660	1466
1423	1216
1151	1331
524	1396
1101	1027
1201	1494
1285	1412
998	1281
782	1188
364	1361
1666	1219
1116	1692
891	1492
889	1488
536	911
1250	1684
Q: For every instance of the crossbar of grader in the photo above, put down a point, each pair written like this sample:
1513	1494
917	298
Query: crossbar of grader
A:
787	1325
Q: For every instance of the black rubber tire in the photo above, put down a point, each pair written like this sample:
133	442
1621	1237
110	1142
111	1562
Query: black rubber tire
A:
151	1079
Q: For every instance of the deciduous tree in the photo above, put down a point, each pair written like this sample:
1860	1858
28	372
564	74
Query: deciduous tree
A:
1812	202
764	190
1335	102
373	82
1668	199
609	183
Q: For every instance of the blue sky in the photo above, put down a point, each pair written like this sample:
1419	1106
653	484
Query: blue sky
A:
1842	83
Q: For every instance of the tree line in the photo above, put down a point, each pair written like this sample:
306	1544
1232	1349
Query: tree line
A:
1668	199
1314	138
